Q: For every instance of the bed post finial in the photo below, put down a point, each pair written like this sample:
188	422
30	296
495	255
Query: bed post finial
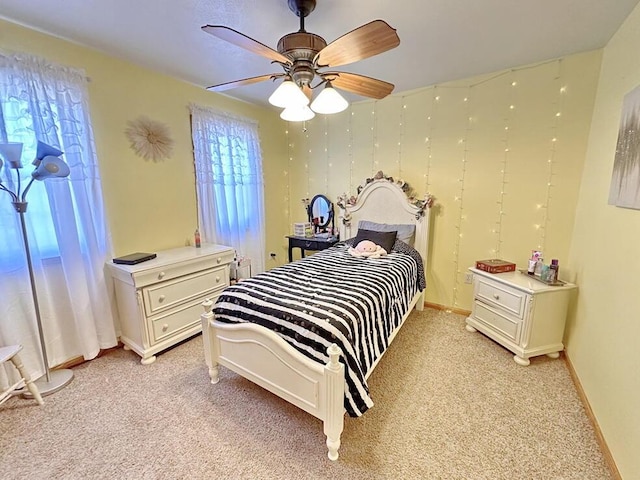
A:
334	355
208	305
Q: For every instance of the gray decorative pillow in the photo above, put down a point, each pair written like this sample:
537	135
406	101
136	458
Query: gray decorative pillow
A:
406	233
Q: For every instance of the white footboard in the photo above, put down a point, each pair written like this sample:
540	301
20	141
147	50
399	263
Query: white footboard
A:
263	357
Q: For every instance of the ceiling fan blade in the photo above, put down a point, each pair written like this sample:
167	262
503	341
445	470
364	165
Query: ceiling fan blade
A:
359	84
233	36
221	87
363	42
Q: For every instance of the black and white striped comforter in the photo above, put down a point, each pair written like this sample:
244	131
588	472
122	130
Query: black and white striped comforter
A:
332	297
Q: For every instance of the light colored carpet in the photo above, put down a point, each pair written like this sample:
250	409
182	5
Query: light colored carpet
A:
449	405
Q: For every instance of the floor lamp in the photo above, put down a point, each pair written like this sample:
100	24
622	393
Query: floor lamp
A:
47	165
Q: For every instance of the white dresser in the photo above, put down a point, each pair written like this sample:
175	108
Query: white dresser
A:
159	301
521	313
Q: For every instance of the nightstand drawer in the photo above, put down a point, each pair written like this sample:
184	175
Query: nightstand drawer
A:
503	325
165	295
509	299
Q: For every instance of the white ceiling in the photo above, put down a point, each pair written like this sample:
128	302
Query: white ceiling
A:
441	40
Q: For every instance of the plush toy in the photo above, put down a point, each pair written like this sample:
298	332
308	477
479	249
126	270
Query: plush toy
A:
368	249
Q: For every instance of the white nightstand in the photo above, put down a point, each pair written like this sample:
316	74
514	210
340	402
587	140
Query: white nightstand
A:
521	313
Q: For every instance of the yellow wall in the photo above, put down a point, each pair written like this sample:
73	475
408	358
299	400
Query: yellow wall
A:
152	206
602	334
502	185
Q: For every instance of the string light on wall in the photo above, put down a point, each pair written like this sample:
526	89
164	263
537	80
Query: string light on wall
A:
504	167
327	157
464	142
374	137
350	150
428	140
307	160
403	107
557	114
287	198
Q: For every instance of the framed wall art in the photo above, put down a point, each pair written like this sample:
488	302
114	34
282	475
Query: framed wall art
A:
625	180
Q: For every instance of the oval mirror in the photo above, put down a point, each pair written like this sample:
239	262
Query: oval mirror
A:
320	211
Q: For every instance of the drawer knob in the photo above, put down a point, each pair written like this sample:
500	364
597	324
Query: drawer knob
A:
496	296
161	298
217	279
161	275
219	260
165	327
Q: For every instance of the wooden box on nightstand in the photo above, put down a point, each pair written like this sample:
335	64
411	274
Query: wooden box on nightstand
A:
520	313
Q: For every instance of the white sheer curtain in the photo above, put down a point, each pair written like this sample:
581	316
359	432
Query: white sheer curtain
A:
65	219
229	183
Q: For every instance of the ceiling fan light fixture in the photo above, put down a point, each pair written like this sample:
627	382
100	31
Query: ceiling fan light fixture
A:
288	94
297	114
329	101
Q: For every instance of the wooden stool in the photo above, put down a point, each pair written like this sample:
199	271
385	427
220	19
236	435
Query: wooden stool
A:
11	353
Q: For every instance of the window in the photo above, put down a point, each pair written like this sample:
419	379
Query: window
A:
65	217
36	102
229	184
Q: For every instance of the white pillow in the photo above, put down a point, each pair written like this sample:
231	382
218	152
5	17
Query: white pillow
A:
406	233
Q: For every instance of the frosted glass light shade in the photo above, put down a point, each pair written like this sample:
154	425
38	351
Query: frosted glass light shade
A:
11	153
297	114
329	101
288	94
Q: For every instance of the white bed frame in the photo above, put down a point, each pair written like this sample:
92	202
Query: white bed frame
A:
266	359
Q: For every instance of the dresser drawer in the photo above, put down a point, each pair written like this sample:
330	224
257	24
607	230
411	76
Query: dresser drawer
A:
502	296
164	326
505	326
174	270
164	295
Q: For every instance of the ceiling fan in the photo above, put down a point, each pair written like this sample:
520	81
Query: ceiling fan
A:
304	56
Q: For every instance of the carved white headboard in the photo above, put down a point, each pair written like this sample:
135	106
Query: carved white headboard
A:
382	200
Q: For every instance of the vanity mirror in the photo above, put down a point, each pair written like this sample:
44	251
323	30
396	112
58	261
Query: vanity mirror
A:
320	212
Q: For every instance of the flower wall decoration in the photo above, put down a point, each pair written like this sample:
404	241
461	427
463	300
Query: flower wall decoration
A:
149	139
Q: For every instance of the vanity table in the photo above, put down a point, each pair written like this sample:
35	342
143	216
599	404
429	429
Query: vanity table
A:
320	216
309	243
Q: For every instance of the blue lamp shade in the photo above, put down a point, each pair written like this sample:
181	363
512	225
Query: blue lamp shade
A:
11	153
43	150
51	166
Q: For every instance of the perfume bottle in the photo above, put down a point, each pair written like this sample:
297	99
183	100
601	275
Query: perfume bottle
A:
553	275
538	268
196	238
535	263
